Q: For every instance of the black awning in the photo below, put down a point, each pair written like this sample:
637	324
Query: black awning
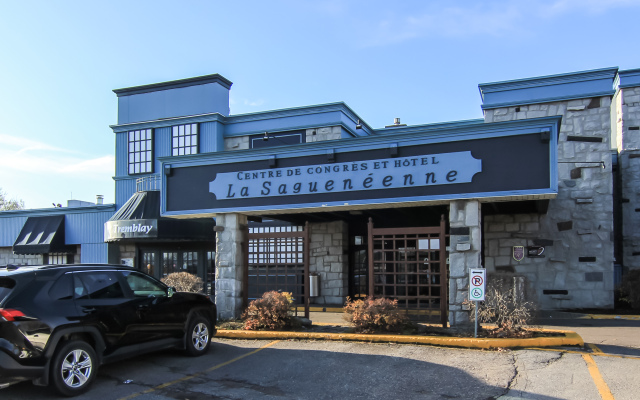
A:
41	235
139	219
142	205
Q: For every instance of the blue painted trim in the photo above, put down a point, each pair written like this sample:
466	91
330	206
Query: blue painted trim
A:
628	78
451	133
349	124
154	87
549	88
168	122
350	204
467	130
35	212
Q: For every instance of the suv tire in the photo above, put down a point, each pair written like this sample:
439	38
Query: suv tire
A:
198	336
74	368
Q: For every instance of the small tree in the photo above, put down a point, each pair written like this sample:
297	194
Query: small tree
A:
184	282
270	312
7	204
374	315
506	305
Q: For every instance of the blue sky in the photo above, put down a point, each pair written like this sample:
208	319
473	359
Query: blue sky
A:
421	61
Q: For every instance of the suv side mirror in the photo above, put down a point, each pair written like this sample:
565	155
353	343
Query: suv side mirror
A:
170	291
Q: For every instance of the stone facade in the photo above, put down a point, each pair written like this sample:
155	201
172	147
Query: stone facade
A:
311	135
229	264
7	257
328	257
577	229
464	253
627	124
320	134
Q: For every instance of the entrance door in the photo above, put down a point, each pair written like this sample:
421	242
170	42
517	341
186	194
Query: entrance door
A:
409	265
278	259
165	259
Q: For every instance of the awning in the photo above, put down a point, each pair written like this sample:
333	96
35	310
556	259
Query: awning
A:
41	235
139	219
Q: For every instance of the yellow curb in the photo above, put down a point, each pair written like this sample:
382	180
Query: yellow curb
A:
611	316
569	339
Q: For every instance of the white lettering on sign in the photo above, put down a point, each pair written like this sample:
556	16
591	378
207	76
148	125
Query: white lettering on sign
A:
393	173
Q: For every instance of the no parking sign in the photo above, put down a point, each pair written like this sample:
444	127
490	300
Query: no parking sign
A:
477	281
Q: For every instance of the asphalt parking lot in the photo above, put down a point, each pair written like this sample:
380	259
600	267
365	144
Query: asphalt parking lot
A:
292	369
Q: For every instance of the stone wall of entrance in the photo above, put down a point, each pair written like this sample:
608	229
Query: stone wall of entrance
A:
576	268
328	258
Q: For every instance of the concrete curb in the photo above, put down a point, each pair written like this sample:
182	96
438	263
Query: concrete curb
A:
569	339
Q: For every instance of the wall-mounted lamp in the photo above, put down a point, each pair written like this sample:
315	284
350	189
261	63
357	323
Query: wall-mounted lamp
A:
266	136
358	125
576	173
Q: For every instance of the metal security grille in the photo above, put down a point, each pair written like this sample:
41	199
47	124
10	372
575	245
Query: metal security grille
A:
409	265
277	259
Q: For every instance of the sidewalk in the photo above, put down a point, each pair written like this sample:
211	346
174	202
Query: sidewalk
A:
329	325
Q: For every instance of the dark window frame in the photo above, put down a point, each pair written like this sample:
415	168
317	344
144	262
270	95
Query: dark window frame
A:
133	138
180	132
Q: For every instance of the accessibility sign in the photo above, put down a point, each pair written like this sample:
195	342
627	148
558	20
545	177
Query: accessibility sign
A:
477	281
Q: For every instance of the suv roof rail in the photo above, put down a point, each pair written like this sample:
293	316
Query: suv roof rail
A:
12	267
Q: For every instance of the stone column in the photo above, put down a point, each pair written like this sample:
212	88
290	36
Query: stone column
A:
231	232
464	253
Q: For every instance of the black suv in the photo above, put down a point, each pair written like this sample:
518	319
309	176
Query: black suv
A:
58	323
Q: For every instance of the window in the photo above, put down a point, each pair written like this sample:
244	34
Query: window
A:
61	289
58	258
184	139
269	139
141	286
140	151
97	285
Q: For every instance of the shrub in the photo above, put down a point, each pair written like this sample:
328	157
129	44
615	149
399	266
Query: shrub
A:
184	282
630	288
270	312
505	305
374	315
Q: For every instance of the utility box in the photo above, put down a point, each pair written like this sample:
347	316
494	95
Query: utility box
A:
314	285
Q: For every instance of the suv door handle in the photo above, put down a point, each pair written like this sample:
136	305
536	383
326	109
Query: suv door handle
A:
143	306
89	310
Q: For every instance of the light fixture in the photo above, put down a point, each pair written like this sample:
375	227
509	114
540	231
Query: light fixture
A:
266	136
358	125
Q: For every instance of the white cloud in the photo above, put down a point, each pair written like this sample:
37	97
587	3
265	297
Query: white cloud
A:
254	103
487	18
26	155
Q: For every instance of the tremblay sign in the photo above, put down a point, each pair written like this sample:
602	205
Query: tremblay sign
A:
138	228
435	169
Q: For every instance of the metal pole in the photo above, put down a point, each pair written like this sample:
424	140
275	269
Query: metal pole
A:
476	327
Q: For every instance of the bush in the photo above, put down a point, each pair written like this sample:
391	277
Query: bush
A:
630	288
184	282
505	305
374	315
270	312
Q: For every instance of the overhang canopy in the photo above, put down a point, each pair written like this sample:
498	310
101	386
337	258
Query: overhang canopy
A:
41	235
139	218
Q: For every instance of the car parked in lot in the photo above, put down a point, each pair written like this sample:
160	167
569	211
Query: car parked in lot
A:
59	323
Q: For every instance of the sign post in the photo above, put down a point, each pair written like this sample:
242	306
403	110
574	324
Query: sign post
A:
477	284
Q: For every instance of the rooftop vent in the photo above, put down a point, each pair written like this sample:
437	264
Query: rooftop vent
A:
396	123
99	199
